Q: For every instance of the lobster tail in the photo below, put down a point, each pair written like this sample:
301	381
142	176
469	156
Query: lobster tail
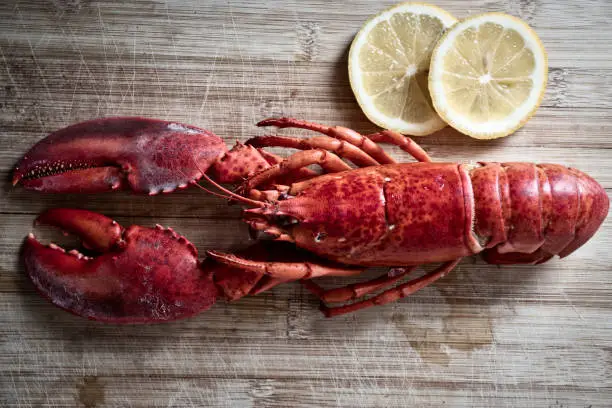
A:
594	205
528	213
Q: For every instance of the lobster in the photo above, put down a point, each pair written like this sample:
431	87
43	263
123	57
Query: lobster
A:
375	213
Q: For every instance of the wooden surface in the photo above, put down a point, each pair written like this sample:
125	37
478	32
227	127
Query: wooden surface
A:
482	337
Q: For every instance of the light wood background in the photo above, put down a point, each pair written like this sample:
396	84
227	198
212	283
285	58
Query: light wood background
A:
482	337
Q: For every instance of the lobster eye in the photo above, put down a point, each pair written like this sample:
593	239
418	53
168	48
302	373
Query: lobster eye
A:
284	220
320	236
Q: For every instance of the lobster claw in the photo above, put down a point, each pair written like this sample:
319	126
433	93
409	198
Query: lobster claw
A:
141	275
144	155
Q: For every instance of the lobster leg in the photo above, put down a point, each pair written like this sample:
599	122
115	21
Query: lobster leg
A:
140	275
339	147
112	153
144	155
367	143
356	290
336	132
271	195
284	270
403	142
243	160
267	283
301	174
275	233
393	294
327	160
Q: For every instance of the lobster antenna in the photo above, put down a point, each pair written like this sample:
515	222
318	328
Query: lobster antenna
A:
195	183
230	195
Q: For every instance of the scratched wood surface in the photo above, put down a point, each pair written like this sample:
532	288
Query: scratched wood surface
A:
482	337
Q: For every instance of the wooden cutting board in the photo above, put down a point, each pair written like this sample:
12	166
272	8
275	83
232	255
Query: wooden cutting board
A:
482	337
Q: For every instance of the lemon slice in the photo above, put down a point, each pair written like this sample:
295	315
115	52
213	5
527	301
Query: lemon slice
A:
388	66
488	75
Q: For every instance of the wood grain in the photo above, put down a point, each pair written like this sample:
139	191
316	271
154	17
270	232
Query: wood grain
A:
482	337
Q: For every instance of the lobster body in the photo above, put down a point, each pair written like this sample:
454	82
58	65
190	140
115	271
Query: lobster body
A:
396	214
381	213
416	213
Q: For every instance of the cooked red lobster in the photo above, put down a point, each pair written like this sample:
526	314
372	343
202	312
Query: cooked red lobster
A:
381	213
